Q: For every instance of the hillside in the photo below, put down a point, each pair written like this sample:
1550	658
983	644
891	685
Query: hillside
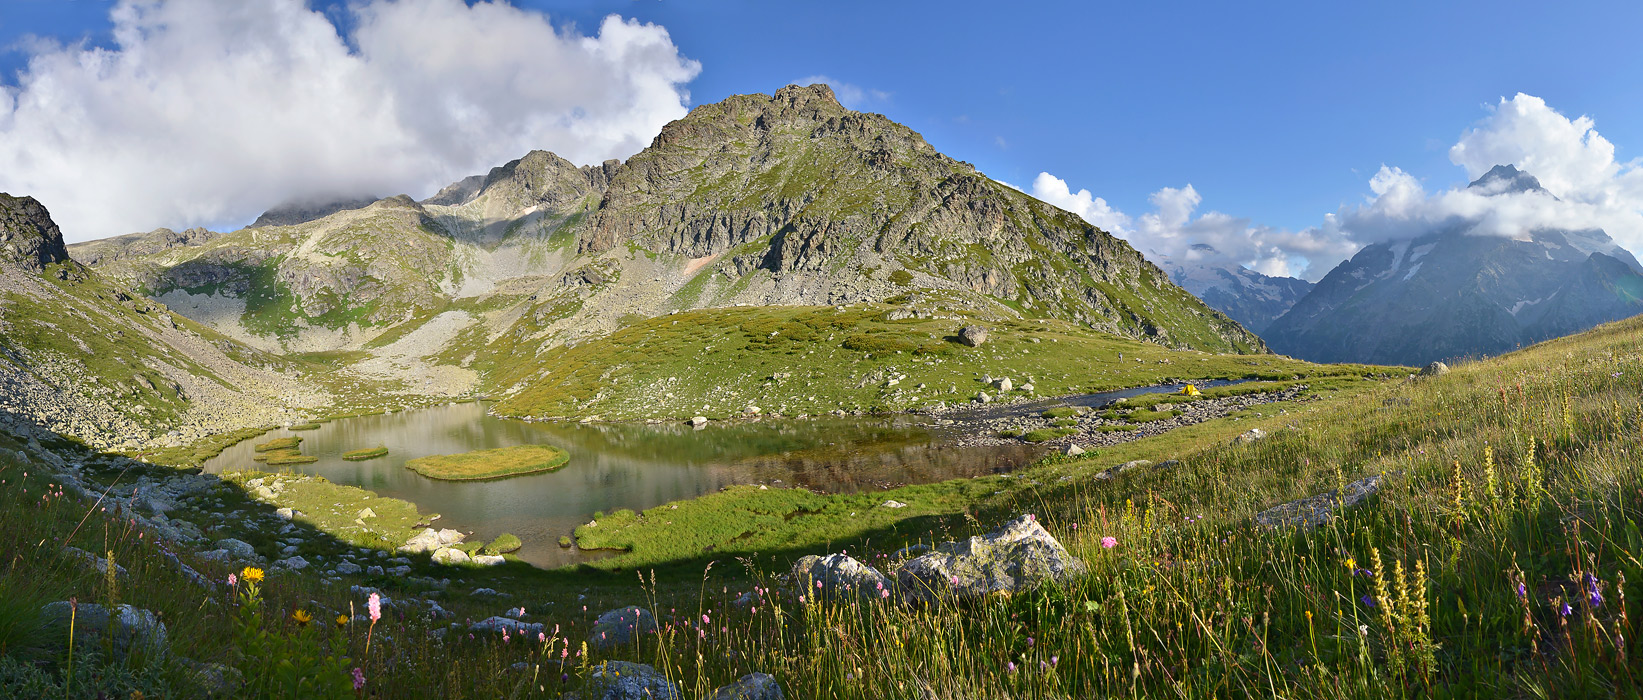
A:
80	356
1451	293
758	200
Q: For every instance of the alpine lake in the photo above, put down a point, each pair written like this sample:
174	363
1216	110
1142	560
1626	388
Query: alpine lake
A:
638	466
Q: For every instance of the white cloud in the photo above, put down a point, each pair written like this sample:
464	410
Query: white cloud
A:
1586	189
850	95
1171	231
206	113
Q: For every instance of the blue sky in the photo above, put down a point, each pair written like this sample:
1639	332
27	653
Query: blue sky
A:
1276	114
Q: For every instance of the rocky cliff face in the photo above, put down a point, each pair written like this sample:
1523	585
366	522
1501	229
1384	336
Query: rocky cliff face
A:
1450	294
28	236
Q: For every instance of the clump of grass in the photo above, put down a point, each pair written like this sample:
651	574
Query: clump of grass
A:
1148	416
1064	422
305	426
289	459
1046	434
504	543
278	444
491	464
362	455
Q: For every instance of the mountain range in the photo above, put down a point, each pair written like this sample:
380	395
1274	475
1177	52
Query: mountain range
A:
1247	296
760	200
1452	292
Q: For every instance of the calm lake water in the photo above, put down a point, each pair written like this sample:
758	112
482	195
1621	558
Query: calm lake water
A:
624	466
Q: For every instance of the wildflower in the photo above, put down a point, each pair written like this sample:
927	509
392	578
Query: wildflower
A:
1054	660
1594	594
1564	610
359	679
251	574
954	580
1367	601
342	620
1010	666
882	594
706	621
1109	542
1030	642
233	580
542	637
1351	563
818	584
375	606
1522	592
302	617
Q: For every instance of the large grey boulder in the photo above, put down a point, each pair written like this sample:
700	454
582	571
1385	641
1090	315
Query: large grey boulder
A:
839	576
1317	510
972	336
625	680
133	629
430	540
753	686
450	557
93	562
1436	369
621	627
499	624
238	549
1017	557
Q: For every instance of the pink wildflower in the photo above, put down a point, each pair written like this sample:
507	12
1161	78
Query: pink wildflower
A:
233	580
359	679
375	606
1109	542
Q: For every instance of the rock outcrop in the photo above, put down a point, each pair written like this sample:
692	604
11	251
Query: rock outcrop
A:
1017	557
838	576
28	236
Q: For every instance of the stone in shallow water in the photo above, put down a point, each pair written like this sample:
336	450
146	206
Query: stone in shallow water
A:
1017	557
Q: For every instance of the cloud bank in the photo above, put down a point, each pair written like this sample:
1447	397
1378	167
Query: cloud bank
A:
1585	188
206	112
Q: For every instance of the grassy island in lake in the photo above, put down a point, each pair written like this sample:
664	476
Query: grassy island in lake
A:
490	464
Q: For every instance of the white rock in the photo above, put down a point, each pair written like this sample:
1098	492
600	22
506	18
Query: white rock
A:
449	556
893	504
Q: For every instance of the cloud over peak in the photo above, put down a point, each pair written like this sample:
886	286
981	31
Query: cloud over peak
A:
206	113
1585	188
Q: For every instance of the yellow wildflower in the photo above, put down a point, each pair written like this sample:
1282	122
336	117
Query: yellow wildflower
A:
251	574
342	620
302	617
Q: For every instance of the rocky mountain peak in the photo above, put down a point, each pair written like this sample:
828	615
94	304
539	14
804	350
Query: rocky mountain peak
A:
28	236
1502	179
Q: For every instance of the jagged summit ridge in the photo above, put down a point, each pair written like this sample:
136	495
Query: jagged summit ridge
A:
1503	179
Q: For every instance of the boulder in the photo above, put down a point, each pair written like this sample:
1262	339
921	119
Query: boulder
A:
972	336
450	556
284	513
840	576
984	398
499	624
1073	451
1250	436
1004	384
133	630
625	680
699	421
1015	558
488	559
893	503
620	627
1436	369
1028	387
1317	510
429	540
366	513
348	568
94	562
753	686
293	563
238	550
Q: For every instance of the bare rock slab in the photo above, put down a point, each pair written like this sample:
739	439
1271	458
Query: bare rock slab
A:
1017	557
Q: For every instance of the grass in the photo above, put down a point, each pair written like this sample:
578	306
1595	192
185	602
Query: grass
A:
278	444
815	360
1047	434
305	426
490	464
362	455
1501	559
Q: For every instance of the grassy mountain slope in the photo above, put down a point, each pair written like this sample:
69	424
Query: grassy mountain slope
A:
84	357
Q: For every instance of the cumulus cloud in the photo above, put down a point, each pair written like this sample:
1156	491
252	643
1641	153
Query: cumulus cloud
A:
850	95
206	113
1174	231
1585	188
